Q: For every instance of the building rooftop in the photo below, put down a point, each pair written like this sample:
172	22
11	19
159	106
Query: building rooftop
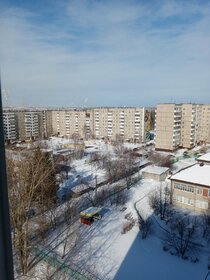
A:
155	169
196	174
91	211
205	157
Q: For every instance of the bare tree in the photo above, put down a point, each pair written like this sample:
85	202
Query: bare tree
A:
78	145
114	169
118	142
160	160
128	166
160	202
145	227
182	233
120	197
32	188
205	224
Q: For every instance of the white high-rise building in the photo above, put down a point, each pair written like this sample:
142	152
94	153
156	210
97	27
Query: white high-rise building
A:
10	126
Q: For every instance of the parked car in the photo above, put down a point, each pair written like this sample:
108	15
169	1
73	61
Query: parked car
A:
186	154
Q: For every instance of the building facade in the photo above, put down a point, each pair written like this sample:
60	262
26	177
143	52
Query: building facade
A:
191	188
119	124
10	126
126	124
168	127
181	125
203	124
72	123
27	124
129	124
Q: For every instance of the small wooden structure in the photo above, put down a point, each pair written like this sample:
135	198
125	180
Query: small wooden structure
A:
89	215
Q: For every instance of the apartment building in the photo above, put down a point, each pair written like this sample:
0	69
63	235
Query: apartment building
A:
72	123
10	126
189	125
28	124
130	124
23	124
181	125
191	188
101	123
45	123
168	127
119	123
203	124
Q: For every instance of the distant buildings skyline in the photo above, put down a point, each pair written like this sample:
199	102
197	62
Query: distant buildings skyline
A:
175	125
122	124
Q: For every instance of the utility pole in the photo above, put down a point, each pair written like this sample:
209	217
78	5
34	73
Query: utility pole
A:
6	256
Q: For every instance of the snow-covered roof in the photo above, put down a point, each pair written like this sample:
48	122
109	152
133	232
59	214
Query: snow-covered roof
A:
196	174
155	169
205	157
90	211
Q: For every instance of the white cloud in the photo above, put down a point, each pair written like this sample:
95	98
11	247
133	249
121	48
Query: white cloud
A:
106	52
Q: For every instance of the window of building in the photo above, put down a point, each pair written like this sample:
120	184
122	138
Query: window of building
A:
184	200
184	188
202	204
200	191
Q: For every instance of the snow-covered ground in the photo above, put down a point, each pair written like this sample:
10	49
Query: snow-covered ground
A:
117	256
82	167
146	260
102	250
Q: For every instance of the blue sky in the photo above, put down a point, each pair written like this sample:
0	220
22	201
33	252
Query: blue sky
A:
104	53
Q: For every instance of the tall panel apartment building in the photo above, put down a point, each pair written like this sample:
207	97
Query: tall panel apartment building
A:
203	124
72	123
23	124
130	124
28	124
45	123
168	127
102	123
119	123
189	125
181	125
10	126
